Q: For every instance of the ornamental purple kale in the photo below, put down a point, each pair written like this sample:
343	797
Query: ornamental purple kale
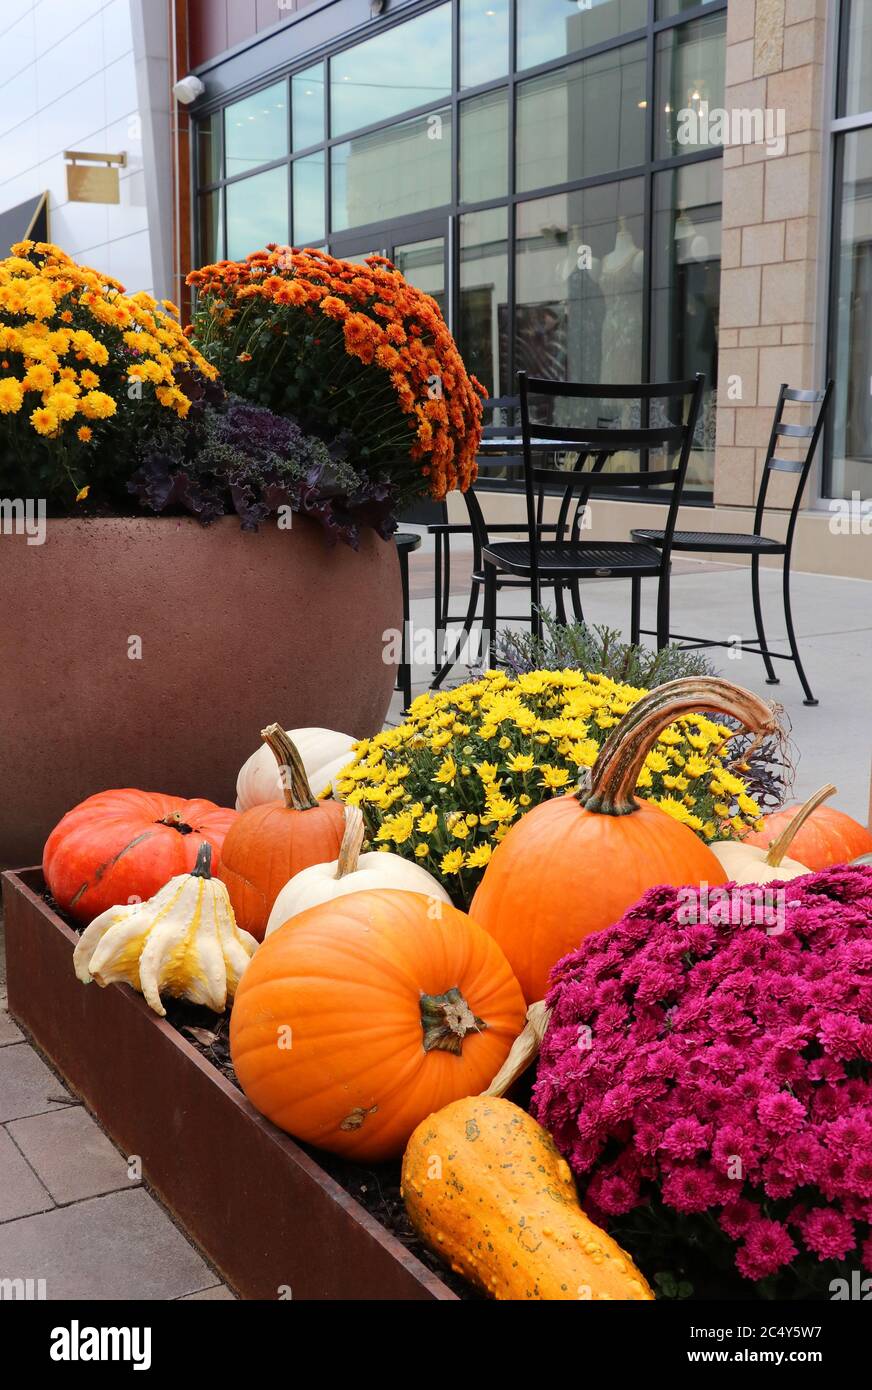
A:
721	1074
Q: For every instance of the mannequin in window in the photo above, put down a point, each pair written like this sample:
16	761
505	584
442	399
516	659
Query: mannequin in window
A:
619	275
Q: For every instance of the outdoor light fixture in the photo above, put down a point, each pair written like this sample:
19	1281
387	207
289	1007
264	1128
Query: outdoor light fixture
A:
187	89
377	7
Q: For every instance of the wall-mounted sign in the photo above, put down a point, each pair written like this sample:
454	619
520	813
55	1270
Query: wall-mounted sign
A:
93	178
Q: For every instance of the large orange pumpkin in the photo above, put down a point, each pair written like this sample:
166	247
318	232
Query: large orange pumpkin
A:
271	843
358	1018
574	865
121	846
827	837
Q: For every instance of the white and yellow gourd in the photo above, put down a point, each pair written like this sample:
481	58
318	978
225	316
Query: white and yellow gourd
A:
323	751
744	863
352	872
183	942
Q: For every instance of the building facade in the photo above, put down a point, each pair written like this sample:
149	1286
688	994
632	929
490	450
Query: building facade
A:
601	190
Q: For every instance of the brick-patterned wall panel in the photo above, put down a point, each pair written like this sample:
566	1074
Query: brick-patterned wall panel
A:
769	275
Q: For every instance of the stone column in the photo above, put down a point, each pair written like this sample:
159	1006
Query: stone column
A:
769	276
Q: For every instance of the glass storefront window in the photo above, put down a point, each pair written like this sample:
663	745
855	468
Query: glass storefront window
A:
399	69
209	148
390	173
484	41
257	212
308	181
580	271
856	95
256	130
666	9
307	107
484	297
689	71
582	120
549	29
484	147
423	265
685	289
211	230
851	464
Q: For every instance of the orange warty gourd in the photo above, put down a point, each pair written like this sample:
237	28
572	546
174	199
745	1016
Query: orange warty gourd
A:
271	843
828	837
122	846
359	1017
486	1189
572	866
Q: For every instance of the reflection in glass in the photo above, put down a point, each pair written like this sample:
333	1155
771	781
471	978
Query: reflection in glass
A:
423	265
666	9
550	29
399	69
256	130
209	148
689	84
580	272
308	180
307	107
857	96
484	297
851	466
484	41
389	173
686	273
211	231
484	147
257	212
586	119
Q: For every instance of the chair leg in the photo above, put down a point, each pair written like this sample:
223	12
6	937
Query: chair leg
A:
663	609
635	611
446	580
490	612
771	678
575	590
559	604
791	637
451	660
438	613
404	673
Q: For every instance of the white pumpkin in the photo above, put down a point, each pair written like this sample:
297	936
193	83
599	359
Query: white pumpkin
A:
352	872
324	752
751	864
183	942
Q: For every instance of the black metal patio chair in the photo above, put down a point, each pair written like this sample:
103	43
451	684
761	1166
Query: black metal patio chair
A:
564	563
756	544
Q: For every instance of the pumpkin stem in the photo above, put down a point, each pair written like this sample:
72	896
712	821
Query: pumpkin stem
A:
446	1019
525	1050
295	783
610	788
175	822
203	866
352	841
779	847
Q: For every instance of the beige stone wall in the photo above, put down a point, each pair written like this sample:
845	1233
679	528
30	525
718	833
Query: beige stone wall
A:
769	280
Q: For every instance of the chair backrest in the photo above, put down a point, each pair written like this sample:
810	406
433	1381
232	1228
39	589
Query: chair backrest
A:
674	436
800	467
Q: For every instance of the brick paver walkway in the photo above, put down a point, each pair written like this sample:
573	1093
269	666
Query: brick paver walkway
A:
70	1215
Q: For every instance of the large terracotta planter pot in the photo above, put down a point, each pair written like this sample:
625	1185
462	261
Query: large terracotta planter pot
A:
237	629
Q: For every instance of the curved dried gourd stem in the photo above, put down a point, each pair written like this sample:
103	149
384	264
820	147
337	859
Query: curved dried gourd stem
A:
778	849
610	789
203	866
352	841
525	1050
295	783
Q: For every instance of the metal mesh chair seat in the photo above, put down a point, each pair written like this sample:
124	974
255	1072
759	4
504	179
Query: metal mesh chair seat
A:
735	542
588	558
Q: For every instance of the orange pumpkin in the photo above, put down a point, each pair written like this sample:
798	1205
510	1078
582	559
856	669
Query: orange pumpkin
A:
271	843
574	865
360	1017
120	847
828	836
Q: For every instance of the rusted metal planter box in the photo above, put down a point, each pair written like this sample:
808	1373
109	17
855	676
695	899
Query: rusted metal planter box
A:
271	1221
